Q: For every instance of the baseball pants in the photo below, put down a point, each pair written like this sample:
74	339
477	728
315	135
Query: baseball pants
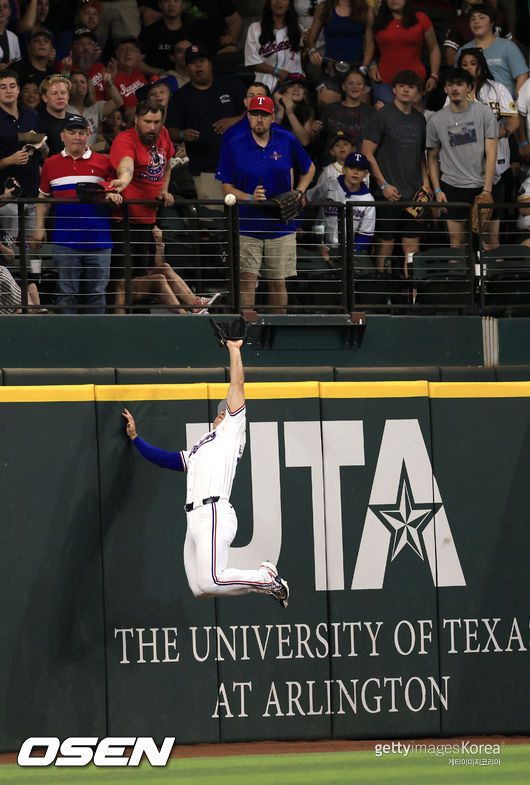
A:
210	532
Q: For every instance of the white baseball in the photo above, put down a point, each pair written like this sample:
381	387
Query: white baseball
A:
230	200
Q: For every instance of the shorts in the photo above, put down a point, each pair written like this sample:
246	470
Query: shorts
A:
393	221
273	258
458	195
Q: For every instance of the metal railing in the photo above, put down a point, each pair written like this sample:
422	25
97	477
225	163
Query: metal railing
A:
202	249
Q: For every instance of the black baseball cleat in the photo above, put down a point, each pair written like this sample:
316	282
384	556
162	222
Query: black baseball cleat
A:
280	589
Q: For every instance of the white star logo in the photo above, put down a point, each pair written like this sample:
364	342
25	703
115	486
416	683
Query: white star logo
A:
406	519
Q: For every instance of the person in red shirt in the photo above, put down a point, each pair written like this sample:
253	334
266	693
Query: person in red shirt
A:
124	69
83	57
400	33
140	156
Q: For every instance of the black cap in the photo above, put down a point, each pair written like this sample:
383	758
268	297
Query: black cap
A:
195	50
341	136
128	39
75	121
84	32
40	31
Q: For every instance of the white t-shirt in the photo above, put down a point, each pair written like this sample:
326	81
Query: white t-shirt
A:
13	47
277	53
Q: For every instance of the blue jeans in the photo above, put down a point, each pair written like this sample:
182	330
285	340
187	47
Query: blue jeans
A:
76	267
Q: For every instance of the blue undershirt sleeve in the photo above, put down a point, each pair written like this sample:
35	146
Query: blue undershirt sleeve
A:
167	460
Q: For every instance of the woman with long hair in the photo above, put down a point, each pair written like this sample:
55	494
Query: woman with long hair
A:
273	46
83	102
349	42
400	33
495	95
293	109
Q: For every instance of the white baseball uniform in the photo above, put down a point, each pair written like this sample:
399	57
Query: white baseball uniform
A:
523	107
335	190
212	523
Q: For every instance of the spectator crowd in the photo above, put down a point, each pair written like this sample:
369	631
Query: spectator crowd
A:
364	101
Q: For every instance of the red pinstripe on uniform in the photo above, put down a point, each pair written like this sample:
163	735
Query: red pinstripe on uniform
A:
214	551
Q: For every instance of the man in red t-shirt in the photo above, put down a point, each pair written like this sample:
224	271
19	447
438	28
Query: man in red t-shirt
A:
140	157
83	57
124	69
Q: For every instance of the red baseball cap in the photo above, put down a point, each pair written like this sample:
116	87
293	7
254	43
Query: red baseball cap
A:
261	103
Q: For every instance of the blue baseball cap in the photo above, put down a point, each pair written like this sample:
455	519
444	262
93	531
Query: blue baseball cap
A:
356	160
75	121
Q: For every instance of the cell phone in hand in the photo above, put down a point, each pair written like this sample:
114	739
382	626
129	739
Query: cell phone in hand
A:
12	183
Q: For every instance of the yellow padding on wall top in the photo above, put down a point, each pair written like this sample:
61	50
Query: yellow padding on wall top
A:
151	392
374	389
479	389
51	392
262	391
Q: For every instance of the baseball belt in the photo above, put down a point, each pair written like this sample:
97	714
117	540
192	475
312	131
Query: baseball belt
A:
193	505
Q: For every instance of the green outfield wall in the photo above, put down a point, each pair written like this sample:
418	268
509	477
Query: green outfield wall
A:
397	511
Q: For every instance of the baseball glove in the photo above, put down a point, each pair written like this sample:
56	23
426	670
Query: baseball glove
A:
234	330
421	196
90	192
485	213
290	204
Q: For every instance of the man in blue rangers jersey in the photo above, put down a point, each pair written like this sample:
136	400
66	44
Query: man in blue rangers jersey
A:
254	166
212	523
348	187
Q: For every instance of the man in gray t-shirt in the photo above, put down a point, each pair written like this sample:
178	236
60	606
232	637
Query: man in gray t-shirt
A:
394	144
462	151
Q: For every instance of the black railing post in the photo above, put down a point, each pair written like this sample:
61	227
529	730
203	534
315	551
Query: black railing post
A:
23	258
469	258
235	263
127	257
344	216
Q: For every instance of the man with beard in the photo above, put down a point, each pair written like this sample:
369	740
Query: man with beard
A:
256	165
83	57
140	156
55	95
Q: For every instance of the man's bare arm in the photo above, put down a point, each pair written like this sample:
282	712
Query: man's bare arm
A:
124	174
236	392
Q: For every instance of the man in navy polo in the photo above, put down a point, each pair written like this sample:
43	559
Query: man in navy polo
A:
255	166
81	235
16	160
200	113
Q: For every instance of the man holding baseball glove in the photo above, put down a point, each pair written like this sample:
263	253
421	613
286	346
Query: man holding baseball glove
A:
257	165
211	465
462	154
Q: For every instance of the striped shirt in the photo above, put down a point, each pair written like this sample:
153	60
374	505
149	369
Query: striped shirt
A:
85	227
9	292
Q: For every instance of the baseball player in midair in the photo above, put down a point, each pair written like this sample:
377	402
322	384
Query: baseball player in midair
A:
211	520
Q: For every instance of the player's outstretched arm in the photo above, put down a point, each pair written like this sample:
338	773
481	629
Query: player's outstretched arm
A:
236	391
166	460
